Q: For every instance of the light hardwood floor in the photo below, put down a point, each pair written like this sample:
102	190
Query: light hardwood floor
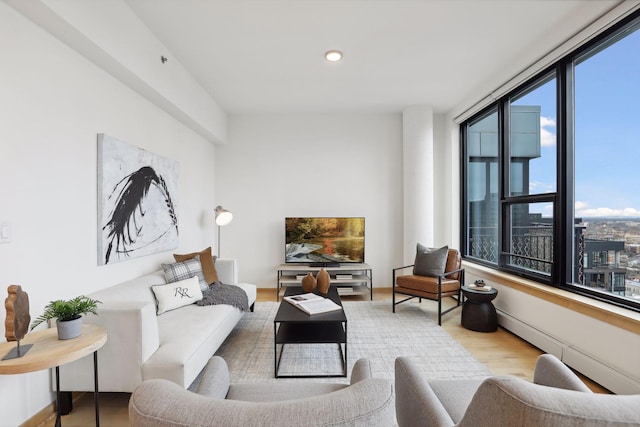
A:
501	351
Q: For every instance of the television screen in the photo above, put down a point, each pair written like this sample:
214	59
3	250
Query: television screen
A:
324	240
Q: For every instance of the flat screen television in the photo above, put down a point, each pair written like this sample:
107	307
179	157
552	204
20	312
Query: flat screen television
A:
324	240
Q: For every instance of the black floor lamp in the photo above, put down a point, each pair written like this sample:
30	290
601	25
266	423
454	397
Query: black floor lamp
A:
223	217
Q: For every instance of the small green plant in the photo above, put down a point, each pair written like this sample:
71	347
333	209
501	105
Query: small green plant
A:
67	310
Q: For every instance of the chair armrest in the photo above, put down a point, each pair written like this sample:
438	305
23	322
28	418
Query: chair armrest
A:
162	403
393	279
449	273
215	379
401	268
132	337
361	371
550	371
506	401
416	402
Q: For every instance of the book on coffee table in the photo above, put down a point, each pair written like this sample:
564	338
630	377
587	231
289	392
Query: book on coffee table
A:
312	304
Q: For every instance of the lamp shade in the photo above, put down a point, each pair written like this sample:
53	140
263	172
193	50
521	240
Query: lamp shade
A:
223	216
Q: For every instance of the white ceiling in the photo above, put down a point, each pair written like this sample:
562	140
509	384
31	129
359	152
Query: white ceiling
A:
266	56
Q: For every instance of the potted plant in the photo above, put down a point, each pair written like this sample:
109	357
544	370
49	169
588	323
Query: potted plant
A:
68	315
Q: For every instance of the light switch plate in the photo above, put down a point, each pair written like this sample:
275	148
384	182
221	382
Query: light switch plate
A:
5	232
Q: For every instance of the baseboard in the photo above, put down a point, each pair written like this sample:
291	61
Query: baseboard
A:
47	413
599	372
588	366
533	336
42	416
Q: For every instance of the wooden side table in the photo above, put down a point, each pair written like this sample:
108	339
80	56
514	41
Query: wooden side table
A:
49	352
478	312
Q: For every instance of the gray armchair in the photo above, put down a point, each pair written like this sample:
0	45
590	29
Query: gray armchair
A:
557	397
366	401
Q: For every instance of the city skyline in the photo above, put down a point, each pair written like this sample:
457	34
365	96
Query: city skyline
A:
607	88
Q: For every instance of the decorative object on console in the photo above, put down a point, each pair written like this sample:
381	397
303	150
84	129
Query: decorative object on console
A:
309	283
223	217
16	323
206	262
136	191
324	281
185	270
68	315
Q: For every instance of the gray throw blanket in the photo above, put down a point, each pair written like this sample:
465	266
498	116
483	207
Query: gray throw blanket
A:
219	293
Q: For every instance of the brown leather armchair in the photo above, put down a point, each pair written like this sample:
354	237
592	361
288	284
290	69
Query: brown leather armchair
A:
448	284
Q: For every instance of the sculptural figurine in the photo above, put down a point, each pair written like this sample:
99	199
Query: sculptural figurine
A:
16	323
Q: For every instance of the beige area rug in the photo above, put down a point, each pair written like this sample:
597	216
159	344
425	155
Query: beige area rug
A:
374	332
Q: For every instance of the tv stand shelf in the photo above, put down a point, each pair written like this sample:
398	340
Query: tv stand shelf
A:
360	281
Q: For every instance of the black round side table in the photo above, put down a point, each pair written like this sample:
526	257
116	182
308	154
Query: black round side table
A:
478	312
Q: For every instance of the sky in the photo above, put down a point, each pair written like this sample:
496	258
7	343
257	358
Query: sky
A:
607	133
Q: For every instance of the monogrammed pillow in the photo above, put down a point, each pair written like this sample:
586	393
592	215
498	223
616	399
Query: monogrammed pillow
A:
176	294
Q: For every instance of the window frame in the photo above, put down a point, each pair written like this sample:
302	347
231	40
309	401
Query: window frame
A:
562	262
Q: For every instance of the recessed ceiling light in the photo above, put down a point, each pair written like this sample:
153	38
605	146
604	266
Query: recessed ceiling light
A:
333	56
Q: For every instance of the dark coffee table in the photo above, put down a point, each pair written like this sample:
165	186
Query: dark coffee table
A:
293	326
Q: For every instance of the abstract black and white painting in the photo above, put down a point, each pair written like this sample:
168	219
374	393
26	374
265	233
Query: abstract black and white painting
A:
137	204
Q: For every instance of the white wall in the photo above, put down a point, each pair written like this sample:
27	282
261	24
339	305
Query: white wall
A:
605	353
418	180
54	102
276	166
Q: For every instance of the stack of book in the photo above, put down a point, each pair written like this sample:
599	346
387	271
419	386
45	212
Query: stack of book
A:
480	287
312	304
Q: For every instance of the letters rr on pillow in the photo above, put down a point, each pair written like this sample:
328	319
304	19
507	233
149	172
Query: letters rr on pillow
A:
430	261
176	294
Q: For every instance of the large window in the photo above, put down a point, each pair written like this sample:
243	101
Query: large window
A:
606	152
550	191
482	188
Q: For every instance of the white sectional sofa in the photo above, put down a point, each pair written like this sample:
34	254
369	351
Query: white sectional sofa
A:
141	345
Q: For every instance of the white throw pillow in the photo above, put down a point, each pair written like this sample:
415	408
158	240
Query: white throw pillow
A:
176	294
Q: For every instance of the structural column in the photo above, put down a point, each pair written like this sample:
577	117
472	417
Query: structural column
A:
418	179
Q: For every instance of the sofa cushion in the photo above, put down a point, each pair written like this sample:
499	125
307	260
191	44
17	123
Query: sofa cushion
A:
176	294
430	261
275	392
206	261
425	284
188	337
184	270
455	395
